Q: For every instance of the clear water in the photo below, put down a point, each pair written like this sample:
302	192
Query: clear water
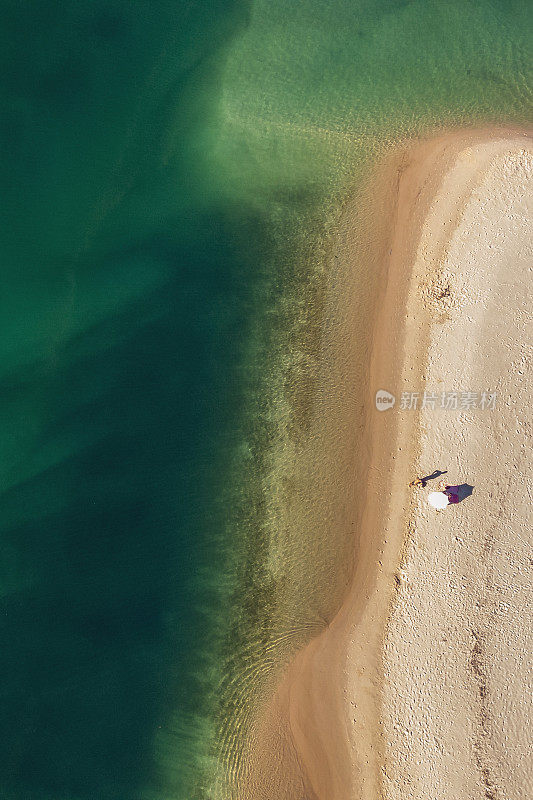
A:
170	174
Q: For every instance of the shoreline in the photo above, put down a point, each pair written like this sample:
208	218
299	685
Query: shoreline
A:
331	718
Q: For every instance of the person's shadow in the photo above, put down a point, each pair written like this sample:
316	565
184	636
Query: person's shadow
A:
436	474
464	490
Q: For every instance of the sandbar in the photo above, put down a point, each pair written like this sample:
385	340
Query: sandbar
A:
419	686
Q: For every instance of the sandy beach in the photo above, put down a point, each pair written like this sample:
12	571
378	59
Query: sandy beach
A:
456	694
419	687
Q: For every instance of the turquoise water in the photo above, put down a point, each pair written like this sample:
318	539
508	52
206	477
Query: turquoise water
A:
170	174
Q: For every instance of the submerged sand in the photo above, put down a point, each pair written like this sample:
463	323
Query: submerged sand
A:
418	688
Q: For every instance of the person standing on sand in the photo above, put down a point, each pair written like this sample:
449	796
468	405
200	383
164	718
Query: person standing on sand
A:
452	493
444	497
423	481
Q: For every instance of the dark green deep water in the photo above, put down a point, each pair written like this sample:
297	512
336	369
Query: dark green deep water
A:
166	171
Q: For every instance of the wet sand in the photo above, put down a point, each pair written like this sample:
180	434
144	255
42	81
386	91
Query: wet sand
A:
361	712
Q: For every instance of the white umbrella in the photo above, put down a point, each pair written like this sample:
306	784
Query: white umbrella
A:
438	500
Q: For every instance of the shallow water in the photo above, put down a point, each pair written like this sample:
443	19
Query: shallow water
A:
170	177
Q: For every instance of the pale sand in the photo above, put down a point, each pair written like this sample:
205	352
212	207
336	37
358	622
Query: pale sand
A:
421	725
457	703
424	711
